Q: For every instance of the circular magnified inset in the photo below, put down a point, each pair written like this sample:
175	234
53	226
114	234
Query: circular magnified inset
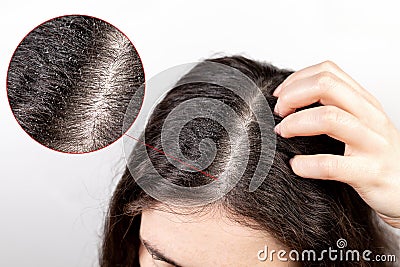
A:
70	82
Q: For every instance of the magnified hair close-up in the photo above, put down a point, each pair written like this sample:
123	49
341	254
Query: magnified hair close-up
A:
70	81
285	212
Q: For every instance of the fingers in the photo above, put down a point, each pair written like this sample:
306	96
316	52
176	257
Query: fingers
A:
328	89
395	222
350	170
332	121
329	66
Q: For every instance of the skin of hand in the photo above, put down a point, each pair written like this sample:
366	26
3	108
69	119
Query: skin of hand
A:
371	162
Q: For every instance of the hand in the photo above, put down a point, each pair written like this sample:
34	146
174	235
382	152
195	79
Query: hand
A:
371	162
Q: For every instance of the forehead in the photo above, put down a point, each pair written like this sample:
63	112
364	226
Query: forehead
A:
204	239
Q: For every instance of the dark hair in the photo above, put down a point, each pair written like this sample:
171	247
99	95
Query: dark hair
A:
300	213
70	81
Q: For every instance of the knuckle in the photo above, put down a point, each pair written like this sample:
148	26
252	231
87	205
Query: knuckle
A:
376	168
383	144
386	122
328	166
328	65
372	170
325	80
329	116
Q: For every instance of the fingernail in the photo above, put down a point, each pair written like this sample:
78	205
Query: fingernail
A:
277	90
277	129
291	161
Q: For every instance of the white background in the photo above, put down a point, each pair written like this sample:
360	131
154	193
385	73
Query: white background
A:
52	204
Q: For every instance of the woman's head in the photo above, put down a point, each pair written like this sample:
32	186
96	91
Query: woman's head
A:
284	212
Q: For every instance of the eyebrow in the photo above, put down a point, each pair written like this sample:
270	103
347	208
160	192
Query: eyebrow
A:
156	252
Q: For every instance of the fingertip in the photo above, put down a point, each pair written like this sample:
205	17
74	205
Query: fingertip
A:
293	161
277	91
276	109
283	111
277	129
296	168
